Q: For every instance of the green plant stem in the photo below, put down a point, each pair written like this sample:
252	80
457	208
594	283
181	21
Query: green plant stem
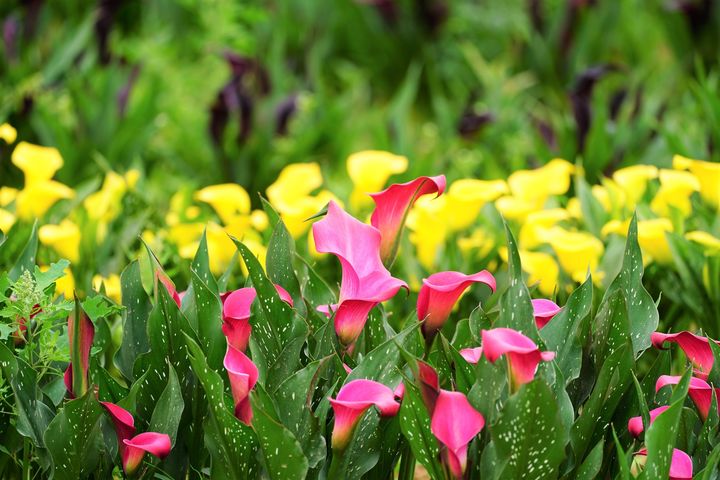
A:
407	464
336	465
26	459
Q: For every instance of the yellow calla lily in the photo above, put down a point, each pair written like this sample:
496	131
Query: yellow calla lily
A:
8	133
105	203
710	242
38	163
64	285
536	185
7	220
653	241
674	192
369	171
259	220
479	243
577	252
466	197
63	238
7	195
228	200
428	226
541	267
534	230
618	227
707	173
296	216
295	181
515	208
112	286
34	200
633	181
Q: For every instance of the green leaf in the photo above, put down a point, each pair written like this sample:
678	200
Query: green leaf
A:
283	454
48	277
711	466
74	438
622	458
610	327
563	334
26	260
208	314
415	426
661	435
279	264
593	213
592	464
642	312
168	411
529	433
232	444
490	383
273	216
135	318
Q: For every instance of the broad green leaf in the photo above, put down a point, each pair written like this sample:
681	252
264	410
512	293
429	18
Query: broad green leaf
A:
26	260
208	314
661	435
530	434
279	264
273	216
490	383
135	318
642	312
610	327
415	425
231	443
168	411
711	466
592	464
563	334
74	438
593	213
48	277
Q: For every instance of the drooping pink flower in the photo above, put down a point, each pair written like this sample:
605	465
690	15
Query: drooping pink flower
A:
365	281
351	402
681	467
237	306
392	206
243	376
522	354
132	448
439	293
697	349
455	423
544	310
79	352
635	424
699	391
471	355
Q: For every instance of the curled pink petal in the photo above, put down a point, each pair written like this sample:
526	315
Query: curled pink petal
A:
455	423
439	293
243	375
365	281
544	310
353	399
697	349
522	354
123	421
399	391
392	206
327	310
471	355
635	424
157	444
429	384
681	467
699	391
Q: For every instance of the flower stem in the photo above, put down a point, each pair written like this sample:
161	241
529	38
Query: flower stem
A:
407	464
26	459
336	465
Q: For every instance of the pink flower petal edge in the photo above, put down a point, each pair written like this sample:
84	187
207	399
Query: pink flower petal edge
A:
471	355
455	423
439	293
544	310
243	375
157	444
699	391
522	353
87	335
392	205
697	349
635	424
681	467
351	402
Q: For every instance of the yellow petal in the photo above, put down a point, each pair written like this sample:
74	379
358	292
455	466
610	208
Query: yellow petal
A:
112	286
427	222
708	241
7	195
227	199
64	285
515	208
63	238
675	190
369	171
478	243
7	220
633	180
184	234
534	230
34	200
653	241
259	220
295	216
540	267
39	164
577	252
574	208
295	181
466	197
707	173
618	227
8	133
536	185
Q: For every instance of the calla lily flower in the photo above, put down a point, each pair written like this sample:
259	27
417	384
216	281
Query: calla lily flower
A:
243	376
675	190
699	391
455	423
635	424
38	163
80	346
365	281
236	314
327	310
541	267
471	355
696	348
429	384
369	170
8	133
133	447
633	181
439	293
544	310
466	197
105	204
681	467
522	354
63	238
229	200
7	220
707	173
36	199
352	401
391	209
576	251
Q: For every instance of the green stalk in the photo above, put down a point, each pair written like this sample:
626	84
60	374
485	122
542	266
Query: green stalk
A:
27	456
336	465
407	464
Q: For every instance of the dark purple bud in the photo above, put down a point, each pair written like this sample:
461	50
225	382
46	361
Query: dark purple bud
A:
471	122
103	26
283	114
10	31
433	13
616	101
546	132
245	117
581	98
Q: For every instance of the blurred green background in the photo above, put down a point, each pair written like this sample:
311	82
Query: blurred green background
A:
208	91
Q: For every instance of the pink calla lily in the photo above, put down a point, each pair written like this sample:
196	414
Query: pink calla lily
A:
635	424
455	423
697	349
681	466
699	391
471	355
429	384
365	281
80	353
392	206
243	376
352	401
522	354
132	448
327	310
236	314
439	293
544	310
